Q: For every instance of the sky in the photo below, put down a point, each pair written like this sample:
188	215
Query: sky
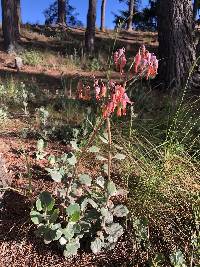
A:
32	10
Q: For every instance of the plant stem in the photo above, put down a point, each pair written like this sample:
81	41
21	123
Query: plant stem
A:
109	167
84	150
109	147
28	167
130	127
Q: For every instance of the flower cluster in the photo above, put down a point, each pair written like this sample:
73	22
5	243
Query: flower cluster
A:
118	100
83	92
145	63
120	59
112	95
100	89
114	98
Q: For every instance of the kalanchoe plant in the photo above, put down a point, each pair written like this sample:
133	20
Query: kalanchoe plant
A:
40	153
25	99
87	208
3	114
177	259
42	116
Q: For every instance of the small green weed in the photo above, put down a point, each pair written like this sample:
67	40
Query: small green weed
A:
32	57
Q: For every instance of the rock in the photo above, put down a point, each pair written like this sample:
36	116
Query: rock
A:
18	63
11	49
5	178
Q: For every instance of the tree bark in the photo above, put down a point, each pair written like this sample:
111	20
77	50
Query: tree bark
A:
8	24
130	18
90	30
62	12
176	41
103	12
17	18
195	8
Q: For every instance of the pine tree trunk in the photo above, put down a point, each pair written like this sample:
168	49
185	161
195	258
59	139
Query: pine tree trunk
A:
195	9
62	12
176	44
130	18
103	11
17	18
8	25
91	23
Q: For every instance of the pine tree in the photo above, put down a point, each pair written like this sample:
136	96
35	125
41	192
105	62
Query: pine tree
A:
17	18
90	30
51	14
130	18
62	12
126	17
103	11
176	45
8	24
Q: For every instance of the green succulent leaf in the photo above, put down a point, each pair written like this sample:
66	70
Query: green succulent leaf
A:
63	241
75	217
40	230
77	228
85	226
47	202
107	215
109	245
96	246
104	140
56	175
177	259
38	204
47	233
100	181
120	211
119	156
72	208
73	211
68	232
111	188
71	248
94	149
115	230
54	216
58	234
40	156
118	147
85	179
40	145
56	226
105	135
72	160
87	201
105	168
52	159
101	158
74	145
92	215
75	132
157	260
36	217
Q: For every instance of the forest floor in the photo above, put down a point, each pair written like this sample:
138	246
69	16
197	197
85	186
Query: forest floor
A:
54	63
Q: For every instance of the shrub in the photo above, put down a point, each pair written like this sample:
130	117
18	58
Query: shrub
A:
32	58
